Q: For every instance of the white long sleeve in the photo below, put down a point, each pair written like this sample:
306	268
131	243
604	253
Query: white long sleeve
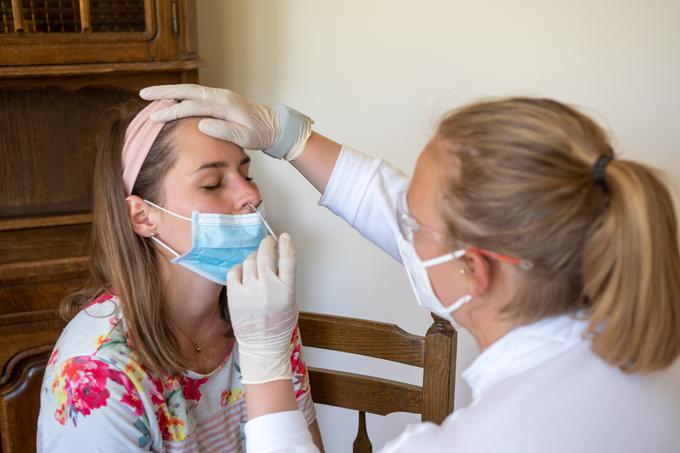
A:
364	191
280	432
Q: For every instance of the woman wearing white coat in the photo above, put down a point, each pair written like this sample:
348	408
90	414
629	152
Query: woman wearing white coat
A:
521	225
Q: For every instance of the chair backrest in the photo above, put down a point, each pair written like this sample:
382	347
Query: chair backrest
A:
435	353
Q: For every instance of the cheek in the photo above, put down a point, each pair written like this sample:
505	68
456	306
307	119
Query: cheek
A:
176	233
426	248
447	282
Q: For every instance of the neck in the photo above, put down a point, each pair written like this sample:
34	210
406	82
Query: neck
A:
191	300
486	330
484	317
485	320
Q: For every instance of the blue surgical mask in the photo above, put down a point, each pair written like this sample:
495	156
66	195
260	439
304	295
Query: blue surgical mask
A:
219	241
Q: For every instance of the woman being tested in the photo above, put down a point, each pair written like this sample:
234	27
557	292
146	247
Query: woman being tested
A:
149	362
521	225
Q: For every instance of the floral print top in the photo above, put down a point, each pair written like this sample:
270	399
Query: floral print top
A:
96	396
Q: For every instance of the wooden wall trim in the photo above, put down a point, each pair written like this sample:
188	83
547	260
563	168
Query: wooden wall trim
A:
101	68
44	221
23	270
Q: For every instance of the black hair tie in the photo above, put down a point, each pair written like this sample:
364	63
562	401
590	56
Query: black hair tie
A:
599	169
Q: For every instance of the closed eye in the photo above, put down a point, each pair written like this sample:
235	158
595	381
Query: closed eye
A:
213	187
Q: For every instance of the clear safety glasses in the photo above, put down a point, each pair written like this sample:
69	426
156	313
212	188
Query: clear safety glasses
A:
411	230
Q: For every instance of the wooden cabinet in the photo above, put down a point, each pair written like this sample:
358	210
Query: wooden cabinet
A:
62	62
62	32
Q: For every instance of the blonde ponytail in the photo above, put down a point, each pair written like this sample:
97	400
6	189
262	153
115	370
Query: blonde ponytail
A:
631	272
521	182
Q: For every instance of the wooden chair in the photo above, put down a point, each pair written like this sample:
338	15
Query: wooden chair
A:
435	353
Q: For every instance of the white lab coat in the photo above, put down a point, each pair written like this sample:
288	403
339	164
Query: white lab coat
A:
538	389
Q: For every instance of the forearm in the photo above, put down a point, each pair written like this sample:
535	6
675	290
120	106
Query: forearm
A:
318	160
275	396
316	435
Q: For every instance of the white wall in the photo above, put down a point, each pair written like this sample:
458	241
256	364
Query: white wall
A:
376	74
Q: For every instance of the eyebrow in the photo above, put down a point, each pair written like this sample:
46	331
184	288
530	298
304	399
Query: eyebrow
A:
221	164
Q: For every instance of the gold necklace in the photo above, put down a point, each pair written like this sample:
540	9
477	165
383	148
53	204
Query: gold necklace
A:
197	343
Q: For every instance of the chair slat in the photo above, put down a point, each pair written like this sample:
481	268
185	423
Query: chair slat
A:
363	393
360	336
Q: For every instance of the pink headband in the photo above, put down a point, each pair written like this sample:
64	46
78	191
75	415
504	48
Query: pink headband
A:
139	136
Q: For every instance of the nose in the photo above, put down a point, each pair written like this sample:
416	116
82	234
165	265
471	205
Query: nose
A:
246	194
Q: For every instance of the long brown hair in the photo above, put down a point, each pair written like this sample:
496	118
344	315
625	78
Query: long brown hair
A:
523	185
121	261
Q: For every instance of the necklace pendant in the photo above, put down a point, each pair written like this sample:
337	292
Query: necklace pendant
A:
197	347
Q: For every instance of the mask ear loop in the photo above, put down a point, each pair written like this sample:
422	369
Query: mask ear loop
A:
264	221
443	259
459	303
165	246
168	211
158	241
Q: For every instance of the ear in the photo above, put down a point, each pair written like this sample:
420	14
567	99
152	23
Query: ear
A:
479	272
138	212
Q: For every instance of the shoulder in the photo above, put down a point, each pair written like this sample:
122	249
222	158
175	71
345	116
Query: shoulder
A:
422	437
578	390
94	383
90	401
90	328
92	361
83	384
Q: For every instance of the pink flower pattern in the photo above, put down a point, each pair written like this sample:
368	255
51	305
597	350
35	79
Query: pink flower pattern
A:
84	384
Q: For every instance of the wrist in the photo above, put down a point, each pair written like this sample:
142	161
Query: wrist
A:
295	131
262	365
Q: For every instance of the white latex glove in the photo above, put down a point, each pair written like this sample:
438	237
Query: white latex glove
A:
261	299
279	131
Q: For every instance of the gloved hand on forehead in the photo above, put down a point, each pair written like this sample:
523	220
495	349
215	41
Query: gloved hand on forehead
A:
263	311
279	131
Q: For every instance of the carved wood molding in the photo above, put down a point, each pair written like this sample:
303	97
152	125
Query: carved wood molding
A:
16	371
20	401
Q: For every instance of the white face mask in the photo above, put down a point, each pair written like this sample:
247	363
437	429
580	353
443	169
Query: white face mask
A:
420	280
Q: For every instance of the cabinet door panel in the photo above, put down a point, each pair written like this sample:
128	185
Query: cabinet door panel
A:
94	31
20	403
